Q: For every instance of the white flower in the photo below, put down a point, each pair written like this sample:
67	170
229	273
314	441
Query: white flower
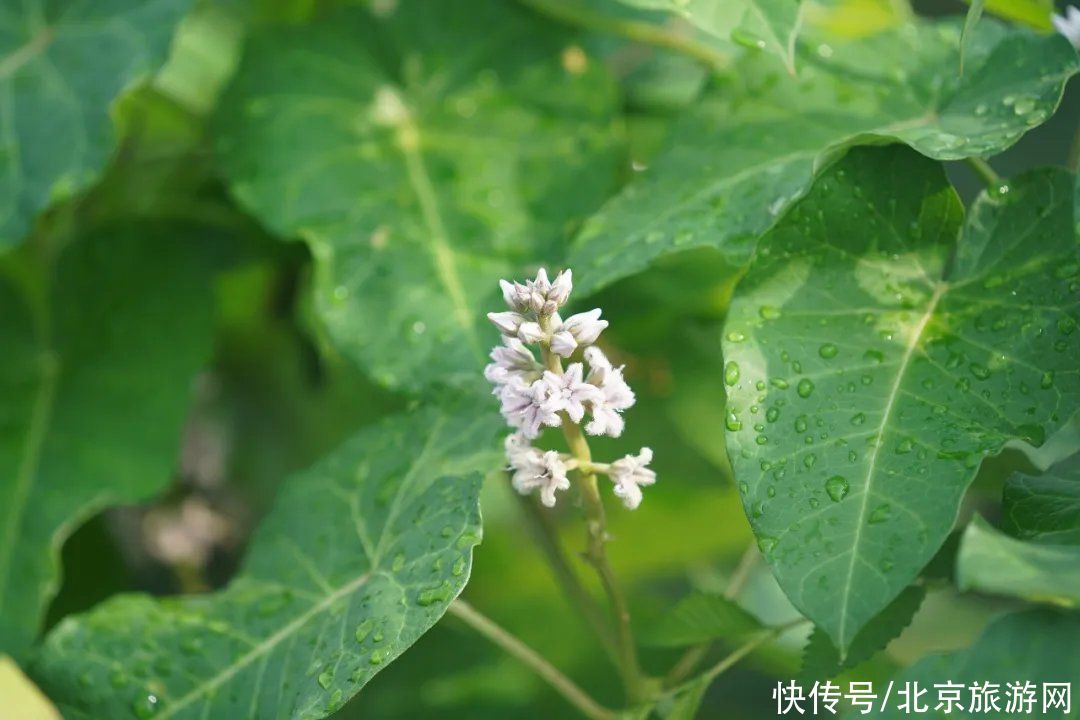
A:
585	327
508	322
529	406
535	469
571	392
629	474
1069	25
615	395
530	332
512	359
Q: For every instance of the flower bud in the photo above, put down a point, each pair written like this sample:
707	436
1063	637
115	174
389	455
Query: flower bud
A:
563	344
560	289
585	327
508	322
530	332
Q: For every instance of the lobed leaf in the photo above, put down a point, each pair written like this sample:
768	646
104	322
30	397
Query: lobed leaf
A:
1045	508
1036	646
873	361
62	64
735	163
93	392
361	555
992	562
419	172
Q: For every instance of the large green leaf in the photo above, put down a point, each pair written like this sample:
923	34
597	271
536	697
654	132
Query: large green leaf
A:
747	152
94	387
1045	508
770	25
361	555
872	363
990	561
62	63
1037	646
422	155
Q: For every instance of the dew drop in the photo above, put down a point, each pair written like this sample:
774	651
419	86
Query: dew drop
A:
809	460
735	337
430	596
837	487
363	629
828	351
772	414
858	419
880	514
805	388
732	422
731	372
800	424
326	678
146	706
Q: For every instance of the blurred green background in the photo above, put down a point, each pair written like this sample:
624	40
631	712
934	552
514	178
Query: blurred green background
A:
275	397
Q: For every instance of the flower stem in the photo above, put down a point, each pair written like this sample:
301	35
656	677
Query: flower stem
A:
513	646
548	539
636	30
985	172
596	537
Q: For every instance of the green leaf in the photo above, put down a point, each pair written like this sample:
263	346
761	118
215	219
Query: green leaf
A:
992	562
1045	508
701	617
419	174
872	363
1037	646
822	660
21	697
61	66
361	555
93	392
735	163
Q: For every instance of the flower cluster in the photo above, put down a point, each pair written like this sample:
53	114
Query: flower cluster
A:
535	394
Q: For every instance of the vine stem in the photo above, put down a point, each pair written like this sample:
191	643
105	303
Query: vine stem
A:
636	30
693	656
596	537
986	173
515	647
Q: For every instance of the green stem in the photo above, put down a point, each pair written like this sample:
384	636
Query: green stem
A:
596	538
984	171
636	30
515	647
548	539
